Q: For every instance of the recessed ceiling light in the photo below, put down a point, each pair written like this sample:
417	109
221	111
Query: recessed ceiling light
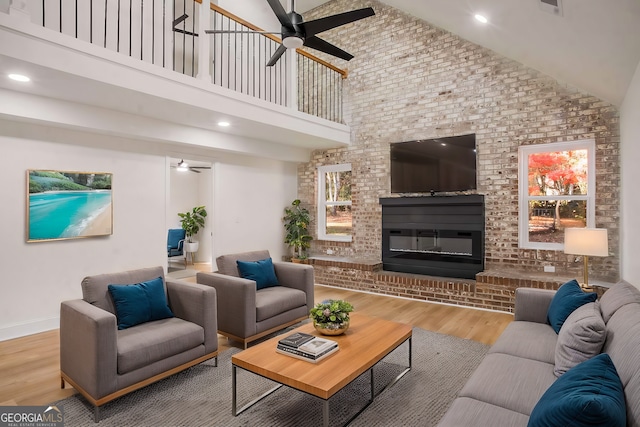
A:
481	18
224	124
19	77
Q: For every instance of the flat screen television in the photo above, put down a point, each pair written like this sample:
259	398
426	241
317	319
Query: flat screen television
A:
434	165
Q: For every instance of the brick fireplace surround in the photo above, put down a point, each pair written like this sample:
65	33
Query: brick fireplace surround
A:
410	80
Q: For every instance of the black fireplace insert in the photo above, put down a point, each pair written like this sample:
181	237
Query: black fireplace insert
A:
437	236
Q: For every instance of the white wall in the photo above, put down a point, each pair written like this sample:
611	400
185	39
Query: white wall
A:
630	201
249	198
257	12
37	276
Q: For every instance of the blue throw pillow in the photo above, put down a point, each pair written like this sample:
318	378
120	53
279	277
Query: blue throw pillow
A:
569	297
262	272
139	303
589	394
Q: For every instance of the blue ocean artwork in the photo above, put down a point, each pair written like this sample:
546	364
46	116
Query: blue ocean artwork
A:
65	214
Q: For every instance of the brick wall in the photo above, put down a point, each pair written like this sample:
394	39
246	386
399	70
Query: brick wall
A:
410	80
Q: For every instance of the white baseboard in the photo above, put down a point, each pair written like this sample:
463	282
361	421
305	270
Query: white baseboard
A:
22	330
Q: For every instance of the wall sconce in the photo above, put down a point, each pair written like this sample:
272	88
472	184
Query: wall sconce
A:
586	242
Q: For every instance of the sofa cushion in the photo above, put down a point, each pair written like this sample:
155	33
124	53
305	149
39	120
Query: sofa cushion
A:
581	337
619	295
622	345
261	272
276	300
509	382
227	263
467	412
529	340
590	394
569	297
150	342
140	302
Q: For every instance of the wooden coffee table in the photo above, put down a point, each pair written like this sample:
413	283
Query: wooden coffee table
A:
367	341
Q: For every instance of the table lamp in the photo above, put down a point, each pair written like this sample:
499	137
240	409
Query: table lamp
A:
586	242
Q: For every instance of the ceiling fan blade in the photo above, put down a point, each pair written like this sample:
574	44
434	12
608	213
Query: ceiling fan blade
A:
281	14
278	53
317	26
326	47
194	170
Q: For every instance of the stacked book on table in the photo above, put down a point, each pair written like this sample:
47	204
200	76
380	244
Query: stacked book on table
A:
306	347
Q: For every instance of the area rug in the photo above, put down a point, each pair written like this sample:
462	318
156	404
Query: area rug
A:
201	395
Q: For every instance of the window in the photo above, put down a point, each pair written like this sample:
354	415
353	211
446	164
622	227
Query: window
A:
334	203
557	191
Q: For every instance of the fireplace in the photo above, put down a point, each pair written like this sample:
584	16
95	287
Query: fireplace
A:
436	236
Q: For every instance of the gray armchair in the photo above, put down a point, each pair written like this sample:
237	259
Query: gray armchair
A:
103	363
245	313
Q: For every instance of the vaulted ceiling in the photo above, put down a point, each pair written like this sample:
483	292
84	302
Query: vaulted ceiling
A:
594	45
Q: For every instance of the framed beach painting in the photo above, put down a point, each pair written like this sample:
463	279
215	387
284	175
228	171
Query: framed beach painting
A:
68	205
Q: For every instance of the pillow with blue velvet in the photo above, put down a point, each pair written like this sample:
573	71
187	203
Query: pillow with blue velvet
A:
140	303
262	272
568	297
589	394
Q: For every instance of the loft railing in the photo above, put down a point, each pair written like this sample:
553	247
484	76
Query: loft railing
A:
319	83
166	33
239	60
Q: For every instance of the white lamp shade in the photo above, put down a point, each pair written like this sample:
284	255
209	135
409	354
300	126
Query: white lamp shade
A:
586	241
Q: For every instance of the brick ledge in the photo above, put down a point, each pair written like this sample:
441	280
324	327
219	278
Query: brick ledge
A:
492	289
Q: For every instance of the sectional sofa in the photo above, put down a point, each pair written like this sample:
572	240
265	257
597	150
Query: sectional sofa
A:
532	370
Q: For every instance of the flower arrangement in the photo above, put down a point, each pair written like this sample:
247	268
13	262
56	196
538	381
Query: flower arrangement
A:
331	314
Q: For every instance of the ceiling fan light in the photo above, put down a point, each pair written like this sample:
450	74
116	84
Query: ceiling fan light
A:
292	42
183	166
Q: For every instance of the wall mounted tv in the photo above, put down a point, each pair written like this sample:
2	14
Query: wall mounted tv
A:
434	165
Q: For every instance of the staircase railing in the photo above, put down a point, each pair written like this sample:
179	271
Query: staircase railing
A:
165	33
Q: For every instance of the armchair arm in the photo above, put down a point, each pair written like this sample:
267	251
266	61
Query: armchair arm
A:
297	276
88	349
237	308
532	304
196	304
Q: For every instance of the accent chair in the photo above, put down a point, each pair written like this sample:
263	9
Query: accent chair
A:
109	348
175	245
246	313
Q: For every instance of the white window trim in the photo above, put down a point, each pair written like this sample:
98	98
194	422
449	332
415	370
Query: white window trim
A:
323	204
523	190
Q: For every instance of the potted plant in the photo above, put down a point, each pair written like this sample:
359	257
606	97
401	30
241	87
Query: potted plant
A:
191	223
331	317
296	222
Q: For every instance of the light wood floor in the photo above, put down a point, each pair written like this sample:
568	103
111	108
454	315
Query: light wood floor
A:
29	366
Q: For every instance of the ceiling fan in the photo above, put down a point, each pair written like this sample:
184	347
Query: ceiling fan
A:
184	166
296	33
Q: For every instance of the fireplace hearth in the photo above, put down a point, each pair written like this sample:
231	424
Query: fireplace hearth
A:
436	236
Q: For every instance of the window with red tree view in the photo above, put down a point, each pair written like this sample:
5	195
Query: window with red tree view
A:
556	191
